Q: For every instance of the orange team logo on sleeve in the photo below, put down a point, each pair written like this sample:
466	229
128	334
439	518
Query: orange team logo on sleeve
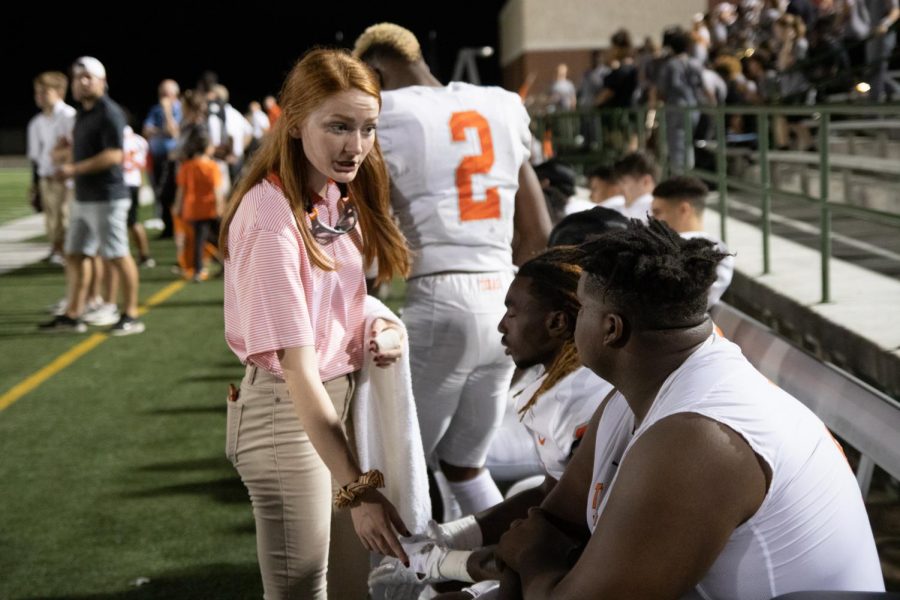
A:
580	430
719	331
542	440
598	493
595	502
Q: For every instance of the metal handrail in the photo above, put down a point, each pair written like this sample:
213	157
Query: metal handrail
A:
604	151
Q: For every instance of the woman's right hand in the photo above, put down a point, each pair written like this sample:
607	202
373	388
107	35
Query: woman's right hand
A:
374	520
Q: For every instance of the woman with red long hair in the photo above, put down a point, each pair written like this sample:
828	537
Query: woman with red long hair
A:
304	222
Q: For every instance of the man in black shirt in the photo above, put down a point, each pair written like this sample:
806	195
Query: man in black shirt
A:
98	216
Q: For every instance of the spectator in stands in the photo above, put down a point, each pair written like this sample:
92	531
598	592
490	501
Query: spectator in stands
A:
829	68
791	48
311	213
699	463
722	17
620	84
161	132
700	38
563	95
679	202
636	174
737	93
680	86
880	17
592	80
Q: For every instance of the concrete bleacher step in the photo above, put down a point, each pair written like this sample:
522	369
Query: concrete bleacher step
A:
857	145
876	192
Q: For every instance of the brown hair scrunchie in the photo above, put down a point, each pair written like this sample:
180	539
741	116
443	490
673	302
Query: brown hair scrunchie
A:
349	494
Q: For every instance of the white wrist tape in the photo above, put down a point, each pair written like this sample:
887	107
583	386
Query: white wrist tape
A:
462	534
453	566
482	588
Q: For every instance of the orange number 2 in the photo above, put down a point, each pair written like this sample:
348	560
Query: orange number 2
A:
471	209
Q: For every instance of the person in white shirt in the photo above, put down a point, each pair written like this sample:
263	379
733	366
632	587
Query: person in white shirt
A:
136	150
258	120
229	131
605	189
470	206
680	201
636	175
49	139
699	479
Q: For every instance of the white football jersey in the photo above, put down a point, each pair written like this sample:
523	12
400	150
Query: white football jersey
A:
811	530
561	415
135	161
454	155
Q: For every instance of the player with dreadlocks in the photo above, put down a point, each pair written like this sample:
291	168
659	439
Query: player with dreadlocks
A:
538	329
699	478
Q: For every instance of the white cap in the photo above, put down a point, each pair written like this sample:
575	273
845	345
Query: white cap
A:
91	65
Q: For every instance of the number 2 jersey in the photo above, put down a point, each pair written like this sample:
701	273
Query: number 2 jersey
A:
454	154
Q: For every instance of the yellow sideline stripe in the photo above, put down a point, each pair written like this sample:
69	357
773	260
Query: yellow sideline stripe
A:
68	357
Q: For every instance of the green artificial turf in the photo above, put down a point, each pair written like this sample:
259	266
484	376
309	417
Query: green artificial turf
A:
14	185
113	471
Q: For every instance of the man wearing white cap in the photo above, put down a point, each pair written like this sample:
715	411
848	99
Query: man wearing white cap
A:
98	216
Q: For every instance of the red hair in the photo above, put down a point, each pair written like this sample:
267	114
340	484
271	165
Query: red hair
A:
318	75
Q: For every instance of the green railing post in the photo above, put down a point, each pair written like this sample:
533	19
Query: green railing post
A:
642	128
688	140
766	185
825	225
722	171
662	146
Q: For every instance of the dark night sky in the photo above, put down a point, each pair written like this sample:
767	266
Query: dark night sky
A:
251	47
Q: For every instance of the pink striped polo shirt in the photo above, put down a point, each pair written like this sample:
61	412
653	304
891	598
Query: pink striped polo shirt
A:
276	298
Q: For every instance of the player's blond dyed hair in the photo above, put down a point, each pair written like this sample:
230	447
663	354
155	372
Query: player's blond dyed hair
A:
399	39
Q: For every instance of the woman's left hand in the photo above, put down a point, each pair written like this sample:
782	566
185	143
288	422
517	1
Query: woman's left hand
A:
390	349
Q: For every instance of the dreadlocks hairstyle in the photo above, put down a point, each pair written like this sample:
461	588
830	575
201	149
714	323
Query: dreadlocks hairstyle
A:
656	278
390	41
554	280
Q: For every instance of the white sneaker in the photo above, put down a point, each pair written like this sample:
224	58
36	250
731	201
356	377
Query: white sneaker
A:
93	304
105	314
58	308
127	326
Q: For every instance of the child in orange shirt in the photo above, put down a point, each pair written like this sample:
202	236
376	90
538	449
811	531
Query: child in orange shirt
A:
199	200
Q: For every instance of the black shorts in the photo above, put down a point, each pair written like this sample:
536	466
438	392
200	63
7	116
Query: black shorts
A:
132	210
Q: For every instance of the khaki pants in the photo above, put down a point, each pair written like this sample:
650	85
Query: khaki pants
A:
291	490
55	198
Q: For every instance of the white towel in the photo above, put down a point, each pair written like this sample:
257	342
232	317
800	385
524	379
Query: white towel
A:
387	427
